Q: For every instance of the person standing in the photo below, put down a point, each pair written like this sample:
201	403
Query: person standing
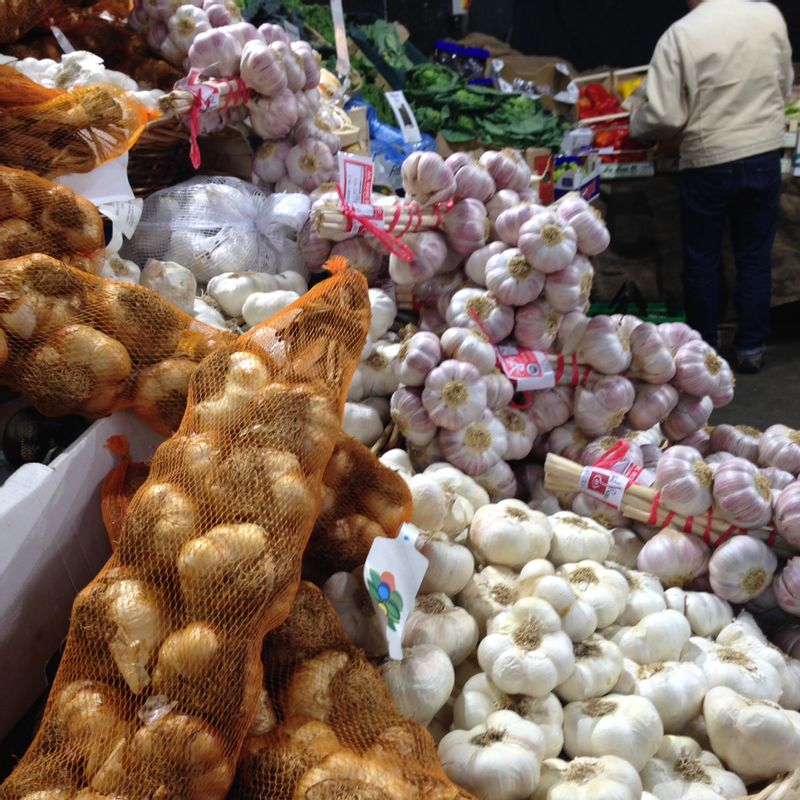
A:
718	78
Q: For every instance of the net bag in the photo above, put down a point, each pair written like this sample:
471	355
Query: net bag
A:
73	343
326	727
162	669
38	216
51	132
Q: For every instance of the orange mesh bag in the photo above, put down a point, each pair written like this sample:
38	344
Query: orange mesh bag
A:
38	216
73	343
161	671
327	728
51	132
362	499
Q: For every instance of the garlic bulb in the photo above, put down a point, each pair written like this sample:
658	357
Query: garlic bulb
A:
435	620
525	651
743	494
509	534
508	168
570	287
493	319
677	334
605	590
499	390
598	664
780	447
520	432
263	305
688	416
604	778
470	345
348	595
499	481
787	587
458	484
618	725
497	760
757	739
551	407
512	279
681	768
604	346
651	357
421	682
429	249
699	370
788	639
707	613
577	539
536	325
675	688
480	698
488	592
427	178
273	118
573	324
675	558
475	265
741	568
741	440
591	232
652	404
538	579
172	281
645	595
684	480
409	415
625	550
568	441
418	356
600	409
429	500
472	178
261	68
466	226
660	636
477	446
510	220
454	394
450	565
778	479
547	242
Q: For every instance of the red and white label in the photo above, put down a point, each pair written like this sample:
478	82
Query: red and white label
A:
526	369
604	485
356	175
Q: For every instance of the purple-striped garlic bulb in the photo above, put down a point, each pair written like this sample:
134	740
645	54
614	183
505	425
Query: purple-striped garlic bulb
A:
499	481
466	226
689	415
494	319
699	370
314	250
677	334
780	447
429	250
551	407
786	514
600	512
418	355
499	390
216	53
567	441
520	433
508	223
536	325
570	331
360	256
508	168
742	494
592	234
409	415
547	242
444	284
598	447
675	558
427	179
684	480
500	201
699	440
472	178
475	265
569	288
274	117
778	478
601	407
651	357
454	394
741	568
653	403
604	346
512	279
471	345
477	446
741	440
269	163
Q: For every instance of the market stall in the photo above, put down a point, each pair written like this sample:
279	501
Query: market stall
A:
328	474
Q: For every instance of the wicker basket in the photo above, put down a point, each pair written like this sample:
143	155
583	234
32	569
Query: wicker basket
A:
160	158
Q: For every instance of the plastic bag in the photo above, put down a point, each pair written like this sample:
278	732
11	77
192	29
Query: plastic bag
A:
162	673
219	224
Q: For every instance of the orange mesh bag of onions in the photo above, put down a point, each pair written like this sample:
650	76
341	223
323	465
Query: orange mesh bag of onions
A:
74	343
362	499
161	672
326	726
38	216
52	132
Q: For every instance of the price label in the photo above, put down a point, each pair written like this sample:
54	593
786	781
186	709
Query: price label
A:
393	574
526	369
604	485
406	120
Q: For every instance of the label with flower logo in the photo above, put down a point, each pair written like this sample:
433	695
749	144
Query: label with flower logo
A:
393	573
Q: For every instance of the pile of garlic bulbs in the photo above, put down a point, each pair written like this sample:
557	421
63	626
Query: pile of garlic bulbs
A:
548	664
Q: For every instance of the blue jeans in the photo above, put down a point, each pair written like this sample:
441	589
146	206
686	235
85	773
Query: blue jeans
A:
746	192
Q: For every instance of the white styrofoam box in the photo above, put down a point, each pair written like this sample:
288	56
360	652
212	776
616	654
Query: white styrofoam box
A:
52	543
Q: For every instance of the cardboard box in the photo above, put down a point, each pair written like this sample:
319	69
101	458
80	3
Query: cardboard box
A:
577	174
52	543
557	91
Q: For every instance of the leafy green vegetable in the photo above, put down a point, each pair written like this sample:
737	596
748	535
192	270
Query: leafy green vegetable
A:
315	16
383	35
432	78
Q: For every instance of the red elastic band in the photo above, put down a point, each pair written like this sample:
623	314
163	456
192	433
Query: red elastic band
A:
707	531
773	535
726	534
666	521
653	518
559	367
689	524
586	375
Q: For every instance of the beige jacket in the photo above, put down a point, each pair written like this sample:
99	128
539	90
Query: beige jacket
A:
719	77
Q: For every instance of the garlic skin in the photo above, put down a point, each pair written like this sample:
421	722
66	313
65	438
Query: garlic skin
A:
470	345
497	760
362	422
741	440
677	334
421	682
411	418
674	558
618	725
699	370
605	590
682	769
520	433
684	480
576	538
480	698
570	287
418	356
707	613
346	592
496	320
551	408
536	325
488	592
598	664
547	242
742	494
509	534
600	409
499	390
780	447
427	178
454	394
741	568
466	226
477	447
525	651
475	265
689	416
435	620
604	346
645	595
450	565
509	221
472	179
591	232
430	502
651	357
652	404
787	587
508	168
584	778
657	637
756	739
456	483
512	279
675	688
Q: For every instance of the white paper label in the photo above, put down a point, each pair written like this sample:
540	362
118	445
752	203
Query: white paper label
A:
604	485
406	120
526	369
107	184
393	573
124	216
340	34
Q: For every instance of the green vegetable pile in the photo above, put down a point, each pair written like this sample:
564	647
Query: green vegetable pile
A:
383	36
442	102
315	16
